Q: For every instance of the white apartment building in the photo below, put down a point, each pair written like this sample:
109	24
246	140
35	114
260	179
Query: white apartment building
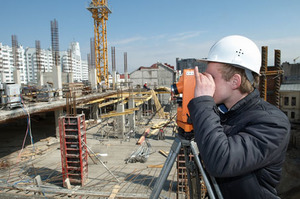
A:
7	63
71	62
31	64
85	70
28	66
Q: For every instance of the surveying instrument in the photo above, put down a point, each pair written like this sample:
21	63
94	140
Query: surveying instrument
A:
199	182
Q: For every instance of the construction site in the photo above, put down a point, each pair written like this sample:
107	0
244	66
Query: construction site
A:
110	139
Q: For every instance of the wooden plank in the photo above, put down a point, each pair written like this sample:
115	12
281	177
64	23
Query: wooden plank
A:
158	106
155	166
110	102
115	114
114	192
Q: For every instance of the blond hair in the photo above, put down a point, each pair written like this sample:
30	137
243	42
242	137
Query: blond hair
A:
246	86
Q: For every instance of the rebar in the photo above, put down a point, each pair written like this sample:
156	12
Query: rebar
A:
14	42
38	55
55	42
263	71
277	62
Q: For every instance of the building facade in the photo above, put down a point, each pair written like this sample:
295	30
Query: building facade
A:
290	91
28	64
31	63
158	74
7	64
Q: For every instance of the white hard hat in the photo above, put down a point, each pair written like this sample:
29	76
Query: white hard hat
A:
238	51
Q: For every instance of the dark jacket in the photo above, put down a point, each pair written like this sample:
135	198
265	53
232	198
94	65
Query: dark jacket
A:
243	148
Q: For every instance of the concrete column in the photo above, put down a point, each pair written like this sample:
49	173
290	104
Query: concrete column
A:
125	69
17	78
126	79
57	114
121	121
70	77
95	111
93	78
131	104
57	79
40	78
139	112
114	76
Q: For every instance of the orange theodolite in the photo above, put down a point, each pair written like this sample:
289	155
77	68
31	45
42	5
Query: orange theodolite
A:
186	87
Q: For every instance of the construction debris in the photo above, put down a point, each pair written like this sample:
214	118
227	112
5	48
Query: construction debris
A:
141	154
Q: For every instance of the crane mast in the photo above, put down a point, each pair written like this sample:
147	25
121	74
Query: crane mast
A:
100	11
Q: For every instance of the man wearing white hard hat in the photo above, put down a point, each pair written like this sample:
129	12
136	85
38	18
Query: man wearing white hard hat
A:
244	146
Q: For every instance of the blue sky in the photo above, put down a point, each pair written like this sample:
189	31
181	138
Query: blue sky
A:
156	30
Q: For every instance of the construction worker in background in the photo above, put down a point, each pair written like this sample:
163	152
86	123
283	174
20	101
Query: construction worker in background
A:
244	146
146	87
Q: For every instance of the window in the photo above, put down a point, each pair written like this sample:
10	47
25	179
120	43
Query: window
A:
293	115
286	101
293	101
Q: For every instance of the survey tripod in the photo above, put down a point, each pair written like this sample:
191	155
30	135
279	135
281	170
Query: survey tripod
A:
192	170
184	139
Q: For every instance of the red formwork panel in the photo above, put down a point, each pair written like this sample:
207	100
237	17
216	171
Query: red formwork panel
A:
74	154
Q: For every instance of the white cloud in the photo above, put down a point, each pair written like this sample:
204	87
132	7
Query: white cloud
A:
127	40
184	36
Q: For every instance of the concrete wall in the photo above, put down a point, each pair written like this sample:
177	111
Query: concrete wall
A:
48	77
166	78
139	77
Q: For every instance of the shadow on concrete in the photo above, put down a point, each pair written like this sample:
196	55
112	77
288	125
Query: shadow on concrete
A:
150	181
47	175
12	133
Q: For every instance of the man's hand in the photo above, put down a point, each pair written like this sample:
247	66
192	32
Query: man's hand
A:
205	84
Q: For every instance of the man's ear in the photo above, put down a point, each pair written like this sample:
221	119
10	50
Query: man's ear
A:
236	81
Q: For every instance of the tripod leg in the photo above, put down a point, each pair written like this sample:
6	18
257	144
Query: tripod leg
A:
194	186
188	171
166	169
205	177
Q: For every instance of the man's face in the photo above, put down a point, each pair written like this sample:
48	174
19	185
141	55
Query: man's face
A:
223	90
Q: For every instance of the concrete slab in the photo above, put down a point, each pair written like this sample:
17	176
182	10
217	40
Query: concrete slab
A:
44	159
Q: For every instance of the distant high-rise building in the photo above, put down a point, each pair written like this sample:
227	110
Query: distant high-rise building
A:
31	65
7	62
70	61
85	70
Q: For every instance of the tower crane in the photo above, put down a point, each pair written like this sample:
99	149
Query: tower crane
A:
295	59
100	11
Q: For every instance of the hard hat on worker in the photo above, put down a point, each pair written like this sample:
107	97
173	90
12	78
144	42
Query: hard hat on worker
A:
236	50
